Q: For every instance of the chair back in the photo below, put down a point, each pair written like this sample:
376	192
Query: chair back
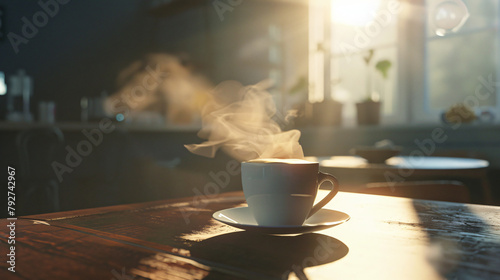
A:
38	148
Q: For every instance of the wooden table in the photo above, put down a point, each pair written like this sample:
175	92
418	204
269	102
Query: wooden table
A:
402	168
386	238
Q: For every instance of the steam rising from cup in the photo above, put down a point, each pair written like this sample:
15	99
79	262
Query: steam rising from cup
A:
158	87
239	120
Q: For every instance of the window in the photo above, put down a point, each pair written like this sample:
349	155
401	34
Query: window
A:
458	63
440	53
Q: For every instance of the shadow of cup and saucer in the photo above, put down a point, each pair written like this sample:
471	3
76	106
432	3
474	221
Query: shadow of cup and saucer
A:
270	256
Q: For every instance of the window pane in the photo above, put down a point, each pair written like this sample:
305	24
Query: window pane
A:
456	64
358	26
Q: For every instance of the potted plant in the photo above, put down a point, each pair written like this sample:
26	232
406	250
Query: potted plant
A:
325	113
368	110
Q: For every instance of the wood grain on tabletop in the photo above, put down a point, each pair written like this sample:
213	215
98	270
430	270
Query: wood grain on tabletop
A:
51	252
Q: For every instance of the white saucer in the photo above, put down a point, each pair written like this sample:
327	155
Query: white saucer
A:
242	218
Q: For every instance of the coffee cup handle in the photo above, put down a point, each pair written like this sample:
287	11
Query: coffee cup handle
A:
324	177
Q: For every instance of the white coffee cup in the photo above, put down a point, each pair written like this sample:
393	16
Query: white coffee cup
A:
281	192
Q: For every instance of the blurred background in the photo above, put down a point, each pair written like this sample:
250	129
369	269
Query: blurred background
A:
98	98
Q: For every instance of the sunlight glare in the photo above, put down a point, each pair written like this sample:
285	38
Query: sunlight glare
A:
354	12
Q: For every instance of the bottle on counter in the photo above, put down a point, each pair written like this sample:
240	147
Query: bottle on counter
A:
3	86
84	105
18	97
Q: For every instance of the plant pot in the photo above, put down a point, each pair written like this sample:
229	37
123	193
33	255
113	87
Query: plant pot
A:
368	112
327	113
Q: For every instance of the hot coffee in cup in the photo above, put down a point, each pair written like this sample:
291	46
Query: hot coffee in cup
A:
281	192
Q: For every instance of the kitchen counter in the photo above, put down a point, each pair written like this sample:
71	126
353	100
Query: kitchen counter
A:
77	126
